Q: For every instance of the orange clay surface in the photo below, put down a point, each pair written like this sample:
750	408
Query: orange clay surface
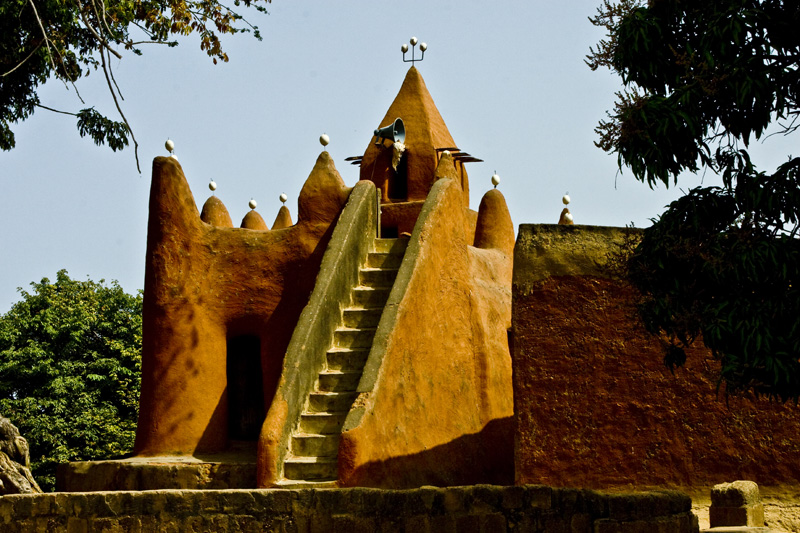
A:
425	132
597	408
205	284
440	411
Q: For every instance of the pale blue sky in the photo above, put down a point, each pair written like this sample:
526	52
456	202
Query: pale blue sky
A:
508	78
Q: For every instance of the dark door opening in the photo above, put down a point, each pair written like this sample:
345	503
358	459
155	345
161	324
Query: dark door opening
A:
245	388
398	183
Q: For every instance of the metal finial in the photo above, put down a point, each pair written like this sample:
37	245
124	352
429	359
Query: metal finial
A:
422	47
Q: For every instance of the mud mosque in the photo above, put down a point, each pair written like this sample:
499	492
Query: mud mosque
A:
394	338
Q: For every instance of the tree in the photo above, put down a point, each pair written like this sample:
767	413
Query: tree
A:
44	39
704	79
70	365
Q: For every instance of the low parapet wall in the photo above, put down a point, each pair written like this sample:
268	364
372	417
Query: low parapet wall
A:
532	508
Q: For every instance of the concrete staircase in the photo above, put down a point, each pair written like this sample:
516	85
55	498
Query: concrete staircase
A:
314	445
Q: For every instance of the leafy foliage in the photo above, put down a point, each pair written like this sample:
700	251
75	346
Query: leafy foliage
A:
44	39
70	365
704	79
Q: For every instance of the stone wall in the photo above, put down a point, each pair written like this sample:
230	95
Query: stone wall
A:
473	509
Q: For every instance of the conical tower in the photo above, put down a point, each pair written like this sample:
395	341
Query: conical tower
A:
405	182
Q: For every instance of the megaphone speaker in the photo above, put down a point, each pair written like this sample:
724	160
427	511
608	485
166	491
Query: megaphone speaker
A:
395	132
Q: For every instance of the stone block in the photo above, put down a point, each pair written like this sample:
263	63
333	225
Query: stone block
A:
737	494
751	516
417	524
581	523
443	523
680	523
77	525
6	510
429	496
454	501
468	523
736	504
279	501
494	522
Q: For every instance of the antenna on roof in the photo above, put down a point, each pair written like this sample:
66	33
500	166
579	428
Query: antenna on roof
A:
404	49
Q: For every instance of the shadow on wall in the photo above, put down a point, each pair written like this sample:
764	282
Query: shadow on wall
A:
486	457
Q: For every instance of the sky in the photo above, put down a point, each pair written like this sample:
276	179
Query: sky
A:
508	78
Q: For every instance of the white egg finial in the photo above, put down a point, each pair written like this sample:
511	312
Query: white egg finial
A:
404	48
169	145
423	46
565	199
495	179
212	185
568	217
324	139
284	198
252	203
413	41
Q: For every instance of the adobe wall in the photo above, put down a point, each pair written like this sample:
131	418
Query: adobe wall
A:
207	284
457	509
436	401
594	404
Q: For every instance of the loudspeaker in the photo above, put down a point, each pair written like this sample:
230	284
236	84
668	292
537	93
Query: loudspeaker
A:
395	132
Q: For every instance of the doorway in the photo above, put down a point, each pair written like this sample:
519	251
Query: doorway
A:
245	388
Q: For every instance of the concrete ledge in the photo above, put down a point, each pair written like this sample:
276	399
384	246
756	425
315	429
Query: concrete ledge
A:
532	508
153	474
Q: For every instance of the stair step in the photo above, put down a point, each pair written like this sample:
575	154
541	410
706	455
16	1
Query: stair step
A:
320	402
322	423
384	260
310	468
344	359
396	246
353	337
377	277
370	298
338	381
315	445
361	318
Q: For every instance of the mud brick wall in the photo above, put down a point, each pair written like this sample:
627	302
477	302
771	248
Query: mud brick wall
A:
533	508
594	404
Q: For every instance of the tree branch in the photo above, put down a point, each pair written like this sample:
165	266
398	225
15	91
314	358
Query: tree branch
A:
23	61
44	34
119	110
56	110
103	42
